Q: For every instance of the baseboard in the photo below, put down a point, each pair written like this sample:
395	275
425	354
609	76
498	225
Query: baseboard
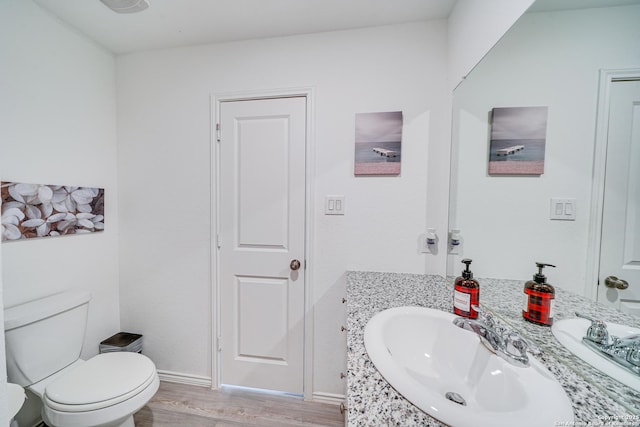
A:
197	380
334	399
180	378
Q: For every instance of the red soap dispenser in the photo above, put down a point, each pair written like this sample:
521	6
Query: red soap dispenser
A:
539	298
466	293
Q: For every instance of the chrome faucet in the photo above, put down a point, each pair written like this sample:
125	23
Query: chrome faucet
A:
505	343
623	351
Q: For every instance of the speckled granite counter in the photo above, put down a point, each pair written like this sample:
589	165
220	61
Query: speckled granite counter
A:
371	401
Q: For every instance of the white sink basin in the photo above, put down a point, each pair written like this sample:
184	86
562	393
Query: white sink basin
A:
424	356
570	332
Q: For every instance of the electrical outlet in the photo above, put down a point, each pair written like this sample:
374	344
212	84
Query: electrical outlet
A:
428	242
455	242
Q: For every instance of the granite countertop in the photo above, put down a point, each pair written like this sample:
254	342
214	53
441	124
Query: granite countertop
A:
371	401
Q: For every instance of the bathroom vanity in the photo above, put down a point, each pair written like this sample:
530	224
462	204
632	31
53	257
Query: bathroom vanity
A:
371	401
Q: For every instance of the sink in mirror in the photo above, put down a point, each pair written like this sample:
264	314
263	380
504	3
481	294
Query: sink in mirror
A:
451	375
570	333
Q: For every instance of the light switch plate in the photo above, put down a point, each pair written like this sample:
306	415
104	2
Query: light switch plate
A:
563	209
334	205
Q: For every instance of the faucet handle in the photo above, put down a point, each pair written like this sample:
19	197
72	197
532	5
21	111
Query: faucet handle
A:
519	341
597	331
485	316
517	347
633	354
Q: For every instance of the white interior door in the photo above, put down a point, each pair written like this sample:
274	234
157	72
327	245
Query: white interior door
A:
619	277
261	236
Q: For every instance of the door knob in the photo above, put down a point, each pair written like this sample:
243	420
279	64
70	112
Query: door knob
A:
614	282
295	264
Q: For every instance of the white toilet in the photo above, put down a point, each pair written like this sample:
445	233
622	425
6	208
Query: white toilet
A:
43	343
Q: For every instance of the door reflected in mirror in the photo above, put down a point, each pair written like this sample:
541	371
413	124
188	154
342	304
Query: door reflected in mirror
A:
619	258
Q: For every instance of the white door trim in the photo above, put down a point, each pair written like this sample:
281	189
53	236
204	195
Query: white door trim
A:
607	77
216	100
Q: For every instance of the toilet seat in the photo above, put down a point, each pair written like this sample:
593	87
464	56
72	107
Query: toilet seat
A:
102	381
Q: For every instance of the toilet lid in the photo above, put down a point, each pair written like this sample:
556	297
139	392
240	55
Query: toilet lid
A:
101	381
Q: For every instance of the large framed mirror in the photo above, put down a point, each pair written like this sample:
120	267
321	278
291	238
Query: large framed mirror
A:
569	57
552	57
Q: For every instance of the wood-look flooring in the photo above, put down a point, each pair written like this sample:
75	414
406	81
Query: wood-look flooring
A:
179	405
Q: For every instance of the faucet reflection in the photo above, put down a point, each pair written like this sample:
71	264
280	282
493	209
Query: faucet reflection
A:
623	351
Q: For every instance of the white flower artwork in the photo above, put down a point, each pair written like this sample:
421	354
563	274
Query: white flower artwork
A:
34	210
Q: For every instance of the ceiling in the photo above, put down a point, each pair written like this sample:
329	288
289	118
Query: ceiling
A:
173	23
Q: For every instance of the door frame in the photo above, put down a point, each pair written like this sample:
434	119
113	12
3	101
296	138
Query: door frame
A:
607	78
216	103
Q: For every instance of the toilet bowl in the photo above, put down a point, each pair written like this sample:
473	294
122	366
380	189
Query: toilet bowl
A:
43	344
102	391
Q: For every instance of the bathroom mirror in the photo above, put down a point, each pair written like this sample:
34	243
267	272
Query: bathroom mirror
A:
552	57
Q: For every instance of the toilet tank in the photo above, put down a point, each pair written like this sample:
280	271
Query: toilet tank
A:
45	335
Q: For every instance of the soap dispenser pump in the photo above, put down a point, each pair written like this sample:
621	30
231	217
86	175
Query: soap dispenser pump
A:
466	293
539	298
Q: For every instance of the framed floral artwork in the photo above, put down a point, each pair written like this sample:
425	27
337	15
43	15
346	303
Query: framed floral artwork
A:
36	210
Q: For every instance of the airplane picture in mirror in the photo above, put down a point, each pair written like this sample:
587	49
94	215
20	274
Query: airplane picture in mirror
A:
518	139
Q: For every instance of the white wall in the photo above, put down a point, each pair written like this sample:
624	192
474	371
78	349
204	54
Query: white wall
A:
164	174
57	114
474	27
57	126
550	59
